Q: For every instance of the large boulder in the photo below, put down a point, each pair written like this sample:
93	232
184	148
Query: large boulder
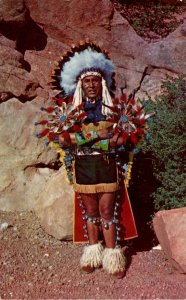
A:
26	164
16	82
170	229
54	206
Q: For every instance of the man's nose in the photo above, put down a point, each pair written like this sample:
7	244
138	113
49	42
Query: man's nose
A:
91	83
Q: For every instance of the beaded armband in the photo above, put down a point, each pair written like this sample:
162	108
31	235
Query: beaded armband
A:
102	145
85	137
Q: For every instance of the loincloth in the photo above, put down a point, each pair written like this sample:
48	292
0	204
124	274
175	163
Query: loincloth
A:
95	173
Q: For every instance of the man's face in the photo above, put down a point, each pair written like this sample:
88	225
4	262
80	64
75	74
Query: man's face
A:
92	86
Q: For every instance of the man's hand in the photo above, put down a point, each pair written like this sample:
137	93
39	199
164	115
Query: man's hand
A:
104	134
65	140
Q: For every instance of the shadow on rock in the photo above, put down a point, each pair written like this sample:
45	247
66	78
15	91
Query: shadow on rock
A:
28	36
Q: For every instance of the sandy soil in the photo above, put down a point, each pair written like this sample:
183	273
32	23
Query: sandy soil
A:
34	265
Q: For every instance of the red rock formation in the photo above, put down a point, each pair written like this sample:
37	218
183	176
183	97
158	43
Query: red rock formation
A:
170	229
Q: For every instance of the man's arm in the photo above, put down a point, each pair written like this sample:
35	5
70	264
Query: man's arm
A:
85	139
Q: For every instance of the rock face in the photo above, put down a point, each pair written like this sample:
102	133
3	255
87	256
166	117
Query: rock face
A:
34	34
54	207
13	11
21	157
139	64
170	229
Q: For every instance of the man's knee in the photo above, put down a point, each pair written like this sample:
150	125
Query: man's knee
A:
106	212
92	211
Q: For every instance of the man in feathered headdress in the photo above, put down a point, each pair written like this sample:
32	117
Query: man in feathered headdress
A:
85	125
88	77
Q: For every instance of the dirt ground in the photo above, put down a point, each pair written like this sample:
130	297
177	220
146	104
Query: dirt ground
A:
34	265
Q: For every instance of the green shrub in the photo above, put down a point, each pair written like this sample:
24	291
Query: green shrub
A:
167	144
151	19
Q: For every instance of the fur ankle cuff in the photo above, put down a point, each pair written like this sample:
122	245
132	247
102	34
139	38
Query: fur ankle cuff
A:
92	256
114	260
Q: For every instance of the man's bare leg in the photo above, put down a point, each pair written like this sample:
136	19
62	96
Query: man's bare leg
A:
106	208
92	210
113	258
92	254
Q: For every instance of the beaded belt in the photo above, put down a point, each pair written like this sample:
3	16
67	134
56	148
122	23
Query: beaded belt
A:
92	151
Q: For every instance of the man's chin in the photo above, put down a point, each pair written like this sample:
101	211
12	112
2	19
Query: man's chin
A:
92	96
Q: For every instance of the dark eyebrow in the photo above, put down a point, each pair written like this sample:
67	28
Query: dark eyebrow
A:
96	79
86	79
